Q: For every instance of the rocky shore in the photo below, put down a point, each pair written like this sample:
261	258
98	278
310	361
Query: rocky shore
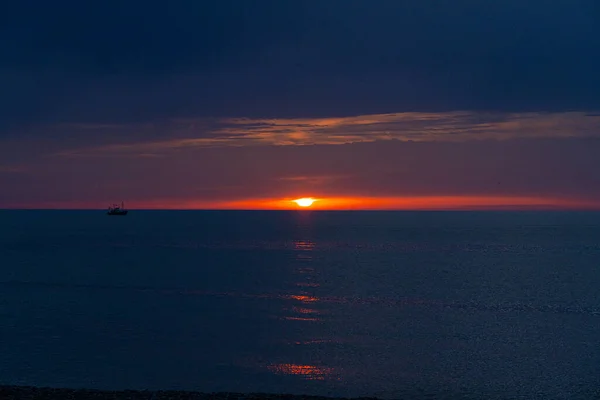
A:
35	393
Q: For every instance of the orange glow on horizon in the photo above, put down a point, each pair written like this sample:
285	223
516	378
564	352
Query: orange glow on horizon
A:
305	201
409	203
417	203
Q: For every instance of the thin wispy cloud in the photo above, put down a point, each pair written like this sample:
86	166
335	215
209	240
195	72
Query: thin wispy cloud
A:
11	169
452	126
413	126
314	179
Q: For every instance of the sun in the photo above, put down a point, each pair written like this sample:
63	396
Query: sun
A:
304	202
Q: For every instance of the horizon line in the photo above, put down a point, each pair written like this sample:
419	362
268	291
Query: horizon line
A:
307	210
407	203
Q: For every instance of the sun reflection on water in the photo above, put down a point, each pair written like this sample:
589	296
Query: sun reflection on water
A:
308	372
302	308
301	319
306	284
304	245
303	298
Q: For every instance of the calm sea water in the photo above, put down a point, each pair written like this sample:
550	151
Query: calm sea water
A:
331	303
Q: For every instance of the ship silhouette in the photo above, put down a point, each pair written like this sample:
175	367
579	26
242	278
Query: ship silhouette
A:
115	209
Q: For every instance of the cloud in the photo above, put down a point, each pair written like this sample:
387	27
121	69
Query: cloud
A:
451	126
291	59
314	179
417	127
12	169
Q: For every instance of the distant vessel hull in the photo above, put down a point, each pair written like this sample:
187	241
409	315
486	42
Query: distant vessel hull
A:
117	212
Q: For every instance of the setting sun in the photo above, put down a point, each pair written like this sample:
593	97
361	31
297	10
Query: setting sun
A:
304	202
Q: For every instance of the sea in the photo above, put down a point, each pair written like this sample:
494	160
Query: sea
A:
386	304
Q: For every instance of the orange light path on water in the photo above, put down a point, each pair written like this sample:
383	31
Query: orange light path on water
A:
308	372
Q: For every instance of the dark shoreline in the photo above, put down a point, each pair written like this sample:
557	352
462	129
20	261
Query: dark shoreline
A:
14	392
8	392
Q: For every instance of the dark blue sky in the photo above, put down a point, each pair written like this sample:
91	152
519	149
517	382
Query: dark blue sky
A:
79	74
